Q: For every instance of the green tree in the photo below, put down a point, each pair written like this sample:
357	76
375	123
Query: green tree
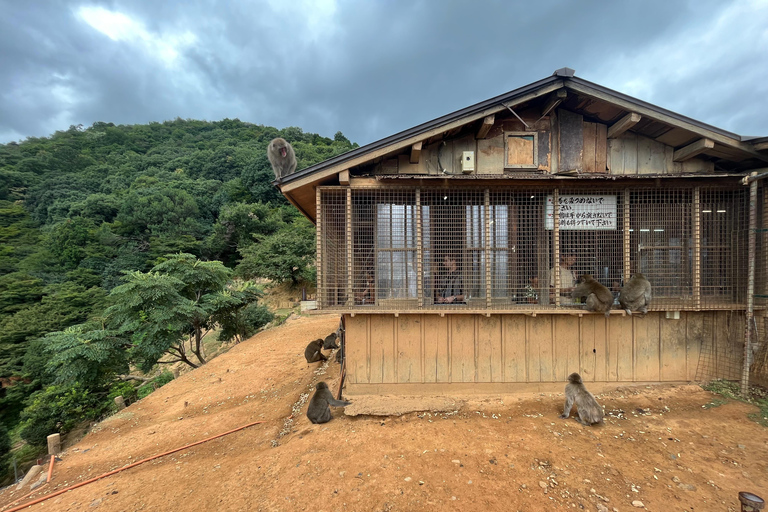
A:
168	310
287	255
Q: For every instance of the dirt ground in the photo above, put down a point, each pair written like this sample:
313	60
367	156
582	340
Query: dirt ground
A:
671	448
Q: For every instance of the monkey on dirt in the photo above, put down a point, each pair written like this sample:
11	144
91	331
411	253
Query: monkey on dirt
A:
599	298
329	343
314	351
588	410
318	410
282	157
636	294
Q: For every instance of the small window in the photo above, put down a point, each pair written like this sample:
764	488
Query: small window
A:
521	150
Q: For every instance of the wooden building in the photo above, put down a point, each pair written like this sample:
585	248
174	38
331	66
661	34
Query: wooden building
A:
511	199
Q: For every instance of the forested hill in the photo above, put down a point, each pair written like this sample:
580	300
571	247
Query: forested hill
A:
80	209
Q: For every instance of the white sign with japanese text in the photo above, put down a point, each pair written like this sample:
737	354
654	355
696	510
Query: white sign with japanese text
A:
595	212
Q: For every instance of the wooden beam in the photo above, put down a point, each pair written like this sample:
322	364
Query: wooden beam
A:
415	153
761	146
692	150
366	157
554	100
662	117
344	177
485	127
623	124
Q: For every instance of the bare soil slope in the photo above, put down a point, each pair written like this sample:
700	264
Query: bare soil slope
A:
659	445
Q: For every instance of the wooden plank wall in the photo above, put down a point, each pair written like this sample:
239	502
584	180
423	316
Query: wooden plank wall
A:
635	154
430	349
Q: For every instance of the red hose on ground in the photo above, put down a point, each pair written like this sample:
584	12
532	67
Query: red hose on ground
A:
62	491
50	469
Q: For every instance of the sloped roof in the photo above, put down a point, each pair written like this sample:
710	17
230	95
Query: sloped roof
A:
542	87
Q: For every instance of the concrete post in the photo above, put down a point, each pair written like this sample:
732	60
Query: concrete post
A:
54	444
120	403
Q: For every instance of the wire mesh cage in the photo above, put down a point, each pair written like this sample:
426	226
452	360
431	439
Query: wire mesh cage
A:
513	248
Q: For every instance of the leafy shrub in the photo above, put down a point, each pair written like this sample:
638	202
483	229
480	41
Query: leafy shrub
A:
159	381
58	409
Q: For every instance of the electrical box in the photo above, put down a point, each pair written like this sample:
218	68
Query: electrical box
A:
468	162
673	315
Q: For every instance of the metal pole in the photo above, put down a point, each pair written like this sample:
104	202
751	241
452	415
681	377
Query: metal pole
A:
750	288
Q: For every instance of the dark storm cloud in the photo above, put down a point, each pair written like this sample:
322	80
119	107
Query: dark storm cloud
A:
369	69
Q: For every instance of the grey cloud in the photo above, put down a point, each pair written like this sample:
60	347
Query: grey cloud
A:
370	70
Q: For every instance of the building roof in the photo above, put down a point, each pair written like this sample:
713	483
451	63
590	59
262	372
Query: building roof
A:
595	102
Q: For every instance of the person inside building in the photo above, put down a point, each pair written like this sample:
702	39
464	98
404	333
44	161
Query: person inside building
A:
368	294
567	274
451	289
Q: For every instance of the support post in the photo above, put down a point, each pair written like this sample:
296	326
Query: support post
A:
627	238
487	248
750	288
419	252
556	241
697	247
350	294
318	248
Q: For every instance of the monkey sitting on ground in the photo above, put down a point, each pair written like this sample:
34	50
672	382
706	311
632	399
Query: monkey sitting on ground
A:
589	411
314	351
599	298
330	342
282	157
636	294
318	410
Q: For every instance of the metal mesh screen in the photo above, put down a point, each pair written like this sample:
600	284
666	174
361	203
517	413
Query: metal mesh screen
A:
724	230
524	247
661	243
332	256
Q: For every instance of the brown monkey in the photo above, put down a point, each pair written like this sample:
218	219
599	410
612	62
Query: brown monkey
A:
589	411
314	351
599	298
636	294
282	157
318	410
329	343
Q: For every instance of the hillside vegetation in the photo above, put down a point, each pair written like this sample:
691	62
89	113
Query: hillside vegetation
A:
122	245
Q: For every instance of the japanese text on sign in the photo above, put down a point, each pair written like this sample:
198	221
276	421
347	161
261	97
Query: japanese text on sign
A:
582	212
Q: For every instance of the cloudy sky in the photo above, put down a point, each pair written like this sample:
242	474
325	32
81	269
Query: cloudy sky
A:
367	68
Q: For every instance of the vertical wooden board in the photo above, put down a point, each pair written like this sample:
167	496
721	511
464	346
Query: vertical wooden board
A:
356	338
646	332
566	346
544	147
489	360
382	355
601	147
463	341
658	157
601	348
409	348
620	352
694	338
490	155
644	159
588	157
587	359
436	362
541	330
514	339
669	161
630	153
616	156
673	349
571	140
